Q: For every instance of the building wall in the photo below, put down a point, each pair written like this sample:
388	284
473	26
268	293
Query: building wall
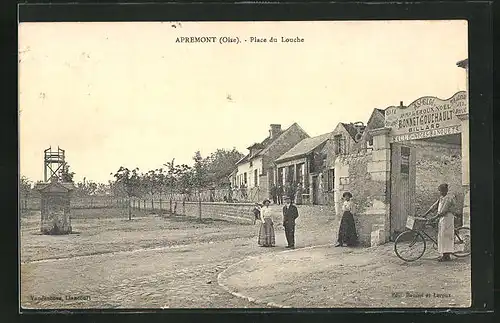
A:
360	174
353	174
328	196
376	121
284	143
265	163
331	146
294	162
246	168
436	164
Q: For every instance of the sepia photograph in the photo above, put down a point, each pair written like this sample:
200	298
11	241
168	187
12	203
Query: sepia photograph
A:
283	164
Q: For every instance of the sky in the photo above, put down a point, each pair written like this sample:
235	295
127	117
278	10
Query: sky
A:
126	94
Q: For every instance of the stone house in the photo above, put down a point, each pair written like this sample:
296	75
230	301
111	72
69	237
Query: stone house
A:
395	179
376	121
343	141
300	165
255	173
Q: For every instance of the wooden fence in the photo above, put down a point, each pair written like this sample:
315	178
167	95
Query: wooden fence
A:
152	202
91	202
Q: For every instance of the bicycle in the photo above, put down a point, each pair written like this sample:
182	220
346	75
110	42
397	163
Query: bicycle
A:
413	240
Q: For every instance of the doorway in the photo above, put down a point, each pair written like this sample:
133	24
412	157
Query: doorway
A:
403	187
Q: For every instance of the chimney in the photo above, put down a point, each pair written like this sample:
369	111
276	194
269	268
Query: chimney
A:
274	131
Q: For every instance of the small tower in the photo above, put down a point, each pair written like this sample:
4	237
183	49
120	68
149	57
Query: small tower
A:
55	195
53	164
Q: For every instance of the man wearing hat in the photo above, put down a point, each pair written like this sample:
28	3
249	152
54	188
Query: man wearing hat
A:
290	213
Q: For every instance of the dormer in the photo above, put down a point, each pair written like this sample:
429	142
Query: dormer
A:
254	149
360	128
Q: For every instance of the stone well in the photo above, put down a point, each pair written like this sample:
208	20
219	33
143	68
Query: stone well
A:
55	207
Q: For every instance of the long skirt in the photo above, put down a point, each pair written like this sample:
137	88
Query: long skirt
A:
446	234
347	230
266	234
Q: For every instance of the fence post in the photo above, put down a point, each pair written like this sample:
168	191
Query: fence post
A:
199	204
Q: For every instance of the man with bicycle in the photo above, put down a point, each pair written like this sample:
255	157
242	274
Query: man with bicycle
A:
446	222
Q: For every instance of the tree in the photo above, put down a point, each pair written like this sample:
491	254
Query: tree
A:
174	179
200	176
220	164
103	189
86	188
24	190
128	182
160	180
154	182
65	174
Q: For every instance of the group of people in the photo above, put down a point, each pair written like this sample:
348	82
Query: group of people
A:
347	235
291	190
347	231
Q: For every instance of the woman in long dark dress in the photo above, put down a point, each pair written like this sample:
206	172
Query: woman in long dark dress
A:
347	230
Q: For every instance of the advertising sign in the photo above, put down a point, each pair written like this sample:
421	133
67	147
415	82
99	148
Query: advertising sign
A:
426	117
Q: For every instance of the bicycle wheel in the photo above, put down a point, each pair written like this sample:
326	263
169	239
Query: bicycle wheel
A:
409	245
462	242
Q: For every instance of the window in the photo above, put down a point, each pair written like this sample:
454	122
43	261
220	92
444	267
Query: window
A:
331	179
340	145
245	179
300	173
369	143
256	178
290	174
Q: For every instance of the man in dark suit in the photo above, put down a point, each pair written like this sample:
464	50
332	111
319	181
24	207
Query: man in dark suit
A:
280	194
274	193
290	214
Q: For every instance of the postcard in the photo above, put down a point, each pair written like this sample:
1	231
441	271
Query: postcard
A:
283	164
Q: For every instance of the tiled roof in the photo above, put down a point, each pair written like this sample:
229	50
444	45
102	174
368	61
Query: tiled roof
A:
350	129
304	147
43	186
266	143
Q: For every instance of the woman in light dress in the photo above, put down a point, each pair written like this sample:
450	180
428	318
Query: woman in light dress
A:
446	225
266	232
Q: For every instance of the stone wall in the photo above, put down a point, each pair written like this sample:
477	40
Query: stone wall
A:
242	212
354	173
436	164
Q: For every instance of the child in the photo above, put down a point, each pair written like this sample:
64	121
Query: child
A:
256	212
